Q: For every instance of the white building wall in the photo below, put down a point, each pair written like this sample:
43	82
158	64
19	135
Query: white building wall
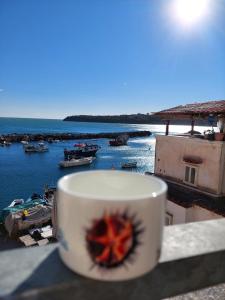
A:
197	214
223	170
178	212
182	215
170	151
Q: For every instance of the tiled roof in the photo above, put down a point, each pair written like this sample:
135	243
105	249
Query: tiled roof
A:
204	108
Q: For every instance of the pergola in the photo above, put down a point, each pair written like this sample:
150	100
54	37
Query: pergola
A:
194	111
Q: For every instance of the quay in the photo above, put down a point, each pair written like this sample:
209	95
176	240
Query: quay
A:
192	258
15	137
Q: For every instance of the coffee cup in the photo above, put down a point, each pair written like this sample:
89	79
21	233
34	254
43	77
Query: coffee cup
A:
110	223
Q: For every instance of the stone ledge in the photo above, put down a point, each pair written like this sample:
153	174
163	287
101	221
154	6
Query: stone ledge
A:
193	257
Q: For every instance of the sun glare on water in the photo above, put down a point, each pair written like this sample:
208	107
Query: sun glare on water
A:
190	12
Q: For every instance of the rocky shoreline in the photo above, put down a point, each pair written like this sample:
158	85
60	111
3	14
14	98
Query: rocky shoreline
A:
16	138
133	119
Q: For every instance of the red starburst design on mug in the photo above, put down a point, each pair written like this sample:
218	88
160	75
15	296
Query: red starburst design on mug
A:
112	239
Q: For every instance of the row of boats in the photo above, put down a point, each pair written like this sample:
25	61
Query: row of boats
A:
81	154
84	154
118	141
37	211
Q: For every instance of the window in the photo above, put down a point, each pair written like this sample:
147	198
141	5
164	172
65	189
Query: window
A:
168	219
190	175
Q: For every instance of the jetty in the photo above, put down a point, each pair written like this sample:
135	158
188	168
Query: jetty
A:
18	137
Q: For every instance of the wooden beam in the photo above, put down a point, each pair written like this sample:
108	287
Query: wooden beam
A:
192	126
167	127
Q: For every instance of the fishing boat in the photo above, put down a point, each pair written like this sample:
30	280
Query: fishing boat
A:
73	162
121	140
19	204
41	147
129	165
81	150
35	211
26	218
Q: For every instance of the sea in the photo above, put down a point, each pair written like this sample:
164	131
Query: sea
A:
23	174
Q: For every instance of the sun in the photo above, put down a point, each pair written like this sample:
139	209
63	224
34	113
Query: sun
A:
190	12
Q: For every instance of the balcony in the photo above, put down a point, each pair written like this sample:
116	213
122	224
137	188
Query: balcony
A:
192	258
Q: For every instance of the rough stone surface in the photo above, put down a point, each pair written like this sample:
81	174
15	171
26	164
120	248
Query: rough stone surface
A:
192	258
14	137
214	293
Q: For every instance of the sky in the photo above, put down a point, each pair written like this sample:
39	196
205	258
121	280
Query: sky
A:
69	57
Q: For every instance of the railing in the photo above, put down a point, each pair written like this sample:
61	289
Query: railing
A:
193	257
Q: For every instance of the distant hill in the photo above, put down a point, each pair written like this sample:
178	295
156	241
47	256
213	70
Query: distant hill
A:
130	119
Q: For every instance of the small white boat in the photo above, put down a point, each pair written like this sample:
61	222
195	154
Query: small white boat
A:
32	148
42	148
16	202
76	162
129	165
51	140
24	142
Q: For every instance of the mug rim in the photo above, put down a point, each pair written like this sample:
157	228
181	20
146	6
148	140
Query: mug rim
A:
86	196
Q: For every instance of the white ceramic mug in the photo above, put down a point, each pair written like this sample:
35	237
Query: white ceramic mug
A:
110	223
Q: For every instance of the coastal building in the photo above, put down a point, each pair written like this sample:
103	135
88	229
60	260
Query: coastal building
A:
193	164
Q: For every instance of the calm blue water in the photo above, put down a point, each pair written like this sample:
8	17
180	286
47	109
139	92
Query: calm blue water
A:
20	125
22	174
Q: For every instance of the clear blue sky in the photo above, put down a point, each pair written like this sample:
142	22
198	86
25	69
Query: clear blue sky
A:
64	57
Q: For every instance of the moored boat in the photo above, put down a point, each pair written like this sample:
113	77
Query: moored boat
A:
20	204
76	162
41	147
121	140
129	165
27	218
81	150
16	202
21	215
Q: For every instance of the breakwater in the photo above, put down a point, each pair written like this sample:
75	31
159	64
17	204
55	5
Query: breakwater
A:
15	138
